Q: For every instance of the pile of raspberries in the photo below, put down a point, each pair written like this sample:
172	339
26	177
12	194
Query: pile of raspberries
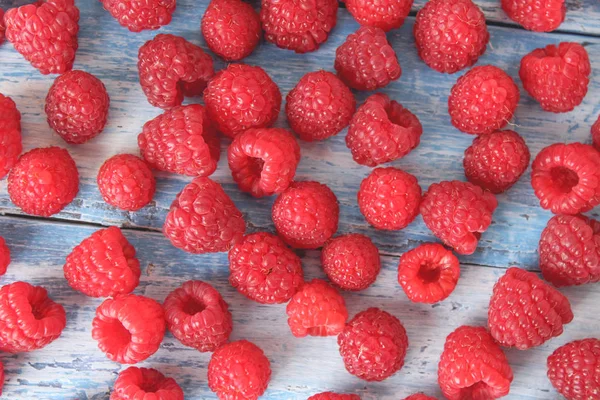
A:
241	104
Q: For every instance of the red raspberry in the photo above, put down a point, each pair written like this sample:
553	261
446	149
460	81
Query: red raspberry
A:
458	213
241	97
198	316
319	106
389	198
450	35
574	369
566	178
495	161
231	29
103	265
428	273
298	25
2	29
525	311
595	134
382	131
557	77
263	161
317	309
366	61
10	134
4	260
264	269
203	219
351	261
43	181
373	345
473	366
126	182
569	250
419	396
129	328
539	16
483	100
387	15
239	370
334	396
145	383
29	319
306	214
170	67
138	15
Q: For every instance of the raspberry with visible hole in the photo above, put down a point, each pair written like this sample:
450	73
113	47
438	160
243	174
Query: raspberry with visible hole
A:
534	15
574	369
387	14
140	15
145	383
10	134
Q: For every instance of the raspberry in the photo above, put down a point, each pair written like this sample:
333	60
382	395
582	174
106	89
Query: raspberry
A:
170	67
569	250
126	182
140	15
351	261
263	161
458	213
373	345
473	366
198	316
319	106
77	106
103	265
317	309
334	396
129	328
4	260
298	25
306	214
2	29
203	219
43	181
534	15
382	131
10	134
419	396
450	35
557	77
182	141
366	61
525	311
239	370
483	100
264	269
595	134
574	369
241	97
387	15
389	198
45	33
495	161
231	29
428	273
29	319
566	178
145	383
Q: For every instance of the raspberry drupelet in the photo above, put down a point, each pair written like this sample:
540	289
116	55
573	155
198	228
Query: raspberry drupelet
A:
141	15
574	369
333	396
387	14
10	134
4	256
145	383
534	15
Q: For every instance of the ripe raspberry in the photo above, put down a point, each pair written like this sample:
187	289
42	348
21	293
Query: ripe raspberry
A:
231	29
2	29
534	15
483	100
198	316
126	182
4	259
264	269
569	250
10	134
473	366
566	178
319	106
145	383
334	396
306	214
43	181
450	35
103	265
428	273
595	134
140	15
29	319
557	77
458	213
129	328
387	15
170	67
366	61
495	161
203	219
373	345
525	311
239	370
298	25
389	198
574	369
241	97
419	396
382	131
263	161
